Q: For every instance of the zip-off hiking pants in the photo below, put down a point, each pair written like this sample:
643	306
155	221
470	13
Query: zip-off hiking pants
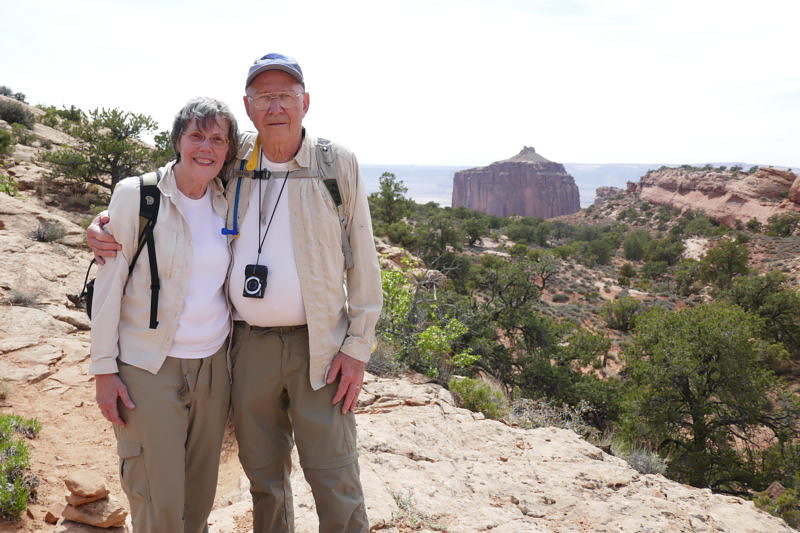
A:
169	450
273	400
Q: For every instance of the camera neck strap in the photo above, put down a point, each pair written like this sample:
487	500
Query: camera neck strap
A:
274	207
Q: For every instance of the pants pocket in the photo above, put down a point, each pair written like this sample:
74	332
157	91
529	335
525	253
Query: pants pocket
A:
132	471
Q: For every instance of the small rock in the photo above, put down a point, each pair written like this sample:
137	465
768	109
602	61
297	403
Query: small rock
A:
86	484
52	517
101	513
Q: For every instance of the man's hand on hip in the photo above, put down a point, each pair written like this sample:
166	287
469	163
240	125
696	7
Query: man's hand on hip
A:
351	377
102	243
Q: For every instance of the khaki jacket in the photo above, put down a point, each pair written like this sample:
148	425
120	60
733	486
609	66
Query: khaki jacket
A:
342	306
121	314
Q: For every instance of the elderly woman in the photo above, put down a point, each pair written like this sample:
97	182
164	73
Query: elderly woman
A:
164	384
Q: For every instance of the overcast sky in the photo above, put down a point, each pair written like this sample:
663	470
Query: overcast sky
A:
444	82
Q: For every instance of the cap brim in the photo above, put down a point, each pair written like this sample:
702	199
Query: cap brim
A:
293	73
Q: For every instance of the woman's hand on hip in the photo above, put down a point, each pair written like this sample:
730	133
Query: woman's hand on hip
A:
108	388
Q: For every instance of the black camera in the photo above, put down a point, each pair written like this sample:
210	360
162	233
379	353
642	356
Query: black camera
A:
255	281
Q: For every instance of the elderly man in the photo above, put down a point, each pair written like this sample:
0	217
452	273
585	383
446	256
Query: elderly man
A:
305	286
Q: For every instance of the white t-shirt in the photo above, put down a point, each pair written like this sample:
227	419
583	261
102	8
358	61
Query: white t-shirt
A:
282	304
203	324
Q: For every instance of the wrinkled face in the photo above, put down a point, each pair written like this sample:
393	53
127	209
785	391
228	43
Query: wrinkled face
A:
280	121
203	149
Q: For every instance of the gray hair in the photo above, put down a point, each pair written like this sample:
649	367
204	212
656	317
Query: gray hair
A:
205	111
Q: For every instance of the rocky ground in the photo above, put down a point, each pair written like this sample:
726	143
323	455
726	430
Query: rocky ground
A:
426	464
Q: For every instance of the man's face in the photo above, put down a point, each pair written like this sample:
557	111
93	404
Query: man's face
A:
282	119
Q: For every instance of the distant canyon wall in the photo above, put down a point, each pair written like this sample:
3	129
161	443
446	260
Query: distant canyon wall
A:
725	195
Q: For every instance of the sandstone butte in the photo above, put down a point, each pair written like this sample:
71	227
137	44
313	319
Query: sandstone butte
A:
526	184
727	196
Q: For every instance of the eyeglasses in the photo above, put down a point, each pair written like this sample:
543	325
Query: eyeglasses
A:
263	100
198	138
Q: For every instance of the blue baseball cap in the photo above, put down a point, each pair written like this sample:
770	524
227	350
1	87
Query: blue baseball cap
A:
275	62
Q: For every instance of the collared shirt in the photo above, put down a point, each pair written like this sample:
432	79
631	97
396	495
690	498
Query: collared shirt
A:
342	306
121	304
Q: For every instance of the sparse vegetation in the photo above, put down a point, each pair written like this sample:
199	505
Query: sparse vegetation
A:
17	485
48	231
783	224
24	297
479	396
15	113
7	142
8	185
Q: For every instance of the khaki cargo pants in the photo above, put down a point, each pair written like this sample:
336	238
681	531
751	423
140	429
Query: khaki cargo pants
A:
272	399
169	450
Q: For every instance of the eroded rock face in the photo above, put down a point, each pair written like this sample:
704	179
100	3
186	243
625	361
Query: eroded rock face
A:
526	184
726	196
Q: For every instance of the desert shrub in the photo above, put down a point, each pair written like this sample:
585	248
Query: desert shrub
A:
783	224
17	485
654	269
627	270
23	134
668	249
479	396
8	185
786	505
620	313
24	297
633	246
703	226
385	360
753	225
15	113
7	142
688	277
48	231
560	298
532	414
641	459
436	348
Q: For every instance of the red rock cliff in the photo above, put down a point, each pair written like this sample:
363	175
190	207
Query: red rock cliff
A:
526	184
725	195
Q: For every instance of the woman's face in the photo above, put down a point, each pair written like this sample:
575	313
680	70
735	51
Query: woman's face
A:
203	150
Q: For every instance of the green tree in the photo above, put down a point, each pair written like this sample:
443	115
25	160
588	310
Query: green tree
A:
698	391
110	144
723	262
688	277
390	204
164	152
770	297
475	228
544	265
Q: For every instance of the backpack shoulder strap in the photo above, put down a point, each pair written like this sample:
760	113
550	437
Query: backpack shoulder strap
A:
149	200
326	163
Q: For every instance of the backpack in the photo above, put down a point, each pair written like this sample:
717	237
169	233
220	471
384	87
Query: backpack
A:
149	199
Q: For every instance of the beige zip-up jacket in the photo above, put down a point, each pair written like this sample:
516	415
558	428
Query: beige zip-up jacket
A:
120	319
342	306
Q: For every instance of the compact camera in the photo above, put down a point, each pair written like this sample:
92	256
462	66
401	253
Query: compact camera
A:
255	281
